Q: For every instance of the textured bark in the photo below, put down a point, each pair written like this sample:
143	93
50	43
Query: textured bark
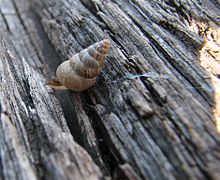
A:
150	113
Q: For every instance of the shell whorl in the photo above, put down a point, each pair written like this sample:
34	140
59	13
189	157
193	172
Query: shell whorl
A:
80	72
89	62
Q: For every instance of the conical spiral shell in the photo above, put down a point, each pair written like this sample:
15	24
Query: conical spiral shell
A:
80	72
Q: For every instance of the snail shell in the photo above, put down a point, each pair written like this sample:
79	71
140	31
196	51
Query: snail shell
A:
80	72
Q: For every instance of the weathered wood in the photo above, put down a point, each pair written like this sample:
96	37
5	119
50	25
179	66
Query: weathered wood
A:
35	139
150	113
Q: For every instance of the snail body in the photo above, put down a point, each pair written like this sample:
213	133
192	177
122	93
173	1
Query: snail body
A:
79	73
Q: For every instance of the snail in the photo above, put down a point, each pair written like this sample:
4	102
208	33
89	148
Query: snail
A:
80	71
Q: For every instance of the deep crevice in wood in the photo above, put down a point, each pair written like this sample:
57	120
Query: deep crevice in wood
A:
108	158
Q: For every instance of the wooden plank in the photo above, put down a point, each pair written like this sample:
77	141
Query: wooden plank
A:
35	139
150	113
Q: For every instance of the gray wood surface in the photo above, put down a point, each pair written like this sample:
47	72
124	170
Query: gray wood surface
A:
150	113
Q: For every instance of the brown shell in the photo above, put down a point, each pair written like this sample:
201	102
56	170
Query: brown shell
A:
80	72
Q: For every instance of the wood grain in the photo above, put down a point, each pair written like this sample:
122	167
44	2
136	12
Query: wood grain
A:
148	116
